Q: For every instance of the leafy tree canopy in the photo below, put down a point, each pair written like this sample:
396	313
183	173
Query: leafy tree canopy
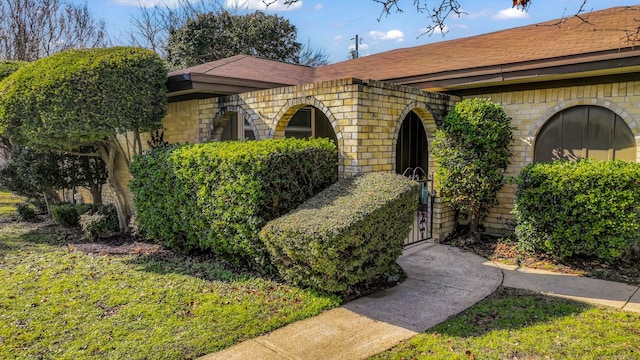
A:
215	36
80	97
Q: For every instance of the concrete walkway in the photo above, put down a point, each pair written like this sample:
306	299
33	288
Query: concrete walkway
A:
441	282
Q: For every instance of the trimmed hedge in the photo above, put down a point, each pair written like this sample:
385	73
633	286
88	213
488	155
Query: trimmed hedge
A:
585	208
217	196
347	234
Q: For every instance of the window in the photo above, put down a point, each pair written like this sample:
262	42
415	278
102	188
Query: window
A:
236	129
302	124
585	132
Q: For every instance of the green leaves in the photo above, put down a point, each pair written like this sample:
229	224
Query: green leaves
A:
472	150
215	36
349	233
217	196
79	97
585	208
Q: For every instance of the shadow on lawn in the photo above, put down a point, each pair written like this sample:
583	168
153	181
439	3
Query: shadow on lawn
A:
143	255
508	309
203	266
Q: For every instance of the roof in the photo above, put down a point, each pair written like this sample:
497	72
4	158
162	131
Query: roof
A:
238	74
593	44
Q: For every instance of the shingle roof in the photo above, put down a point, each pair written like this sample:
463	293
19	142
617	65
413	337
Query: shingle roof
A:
251	68
602	35
604	30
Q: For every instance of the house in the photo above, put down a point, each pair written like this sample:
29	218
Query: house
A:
572	87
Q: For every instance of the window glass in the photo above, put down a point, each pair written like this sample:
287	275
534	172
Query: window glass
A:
585	132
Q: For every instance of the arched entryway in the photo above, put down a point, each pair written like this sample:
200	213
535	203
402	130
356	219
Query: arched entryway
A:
585	131
412	160
412	149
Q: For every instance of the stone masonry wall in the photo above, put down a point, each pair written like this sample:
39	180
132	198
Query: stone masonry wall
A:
531	109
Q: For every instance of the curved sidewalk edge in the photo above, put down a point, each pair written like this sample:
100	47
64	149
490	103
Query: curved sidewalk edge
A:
594	291
441	282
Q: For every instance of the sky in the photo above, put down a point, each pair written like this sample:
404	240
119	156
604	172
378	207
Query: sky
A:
332	25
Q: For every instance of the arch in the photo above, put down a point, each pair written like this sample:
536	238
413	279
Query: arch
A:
224	115
293	105
552	113
425	114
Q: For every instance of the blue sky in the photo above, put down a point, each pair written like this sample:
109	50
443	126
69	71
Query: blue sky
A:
333	24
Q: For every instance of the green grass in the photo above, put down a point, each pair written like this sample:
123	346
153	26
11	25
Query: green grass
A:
7	203
517	324
56	302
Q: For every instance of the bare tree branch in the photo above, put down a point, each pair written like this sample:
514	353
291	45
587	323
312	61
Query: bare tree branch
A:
152	25
31	29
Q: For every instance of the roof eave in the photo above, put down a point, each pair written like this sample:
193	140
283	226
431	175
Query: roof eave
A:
571	67
203	85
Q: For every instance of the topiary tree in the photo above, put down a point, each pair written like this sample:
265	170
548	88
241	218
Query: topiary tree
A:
103	98
472	149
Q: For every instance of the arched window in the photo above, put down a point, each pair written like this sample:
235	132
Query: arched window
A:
310	122
585	132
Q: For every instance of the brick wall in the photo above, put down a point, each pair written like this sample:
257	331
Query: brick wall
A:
531	109
365	115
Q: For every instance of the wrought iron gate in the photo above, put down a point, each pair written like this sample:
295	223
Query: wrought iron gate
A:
422	228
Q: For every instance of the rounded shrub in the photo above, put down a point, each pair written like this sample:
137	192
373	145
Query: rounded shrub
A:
586	208
25	211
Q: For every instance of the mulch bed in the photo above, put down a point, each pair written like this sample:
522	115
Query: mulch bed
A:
504	249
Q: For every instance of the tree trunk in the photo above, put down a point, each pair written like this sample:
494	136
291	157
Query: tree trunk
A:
108	152
96	193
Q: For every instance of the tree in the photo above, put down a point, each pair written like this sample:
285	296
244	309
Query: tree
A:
472	150
31	29
7	67
214	36
39	174
103	98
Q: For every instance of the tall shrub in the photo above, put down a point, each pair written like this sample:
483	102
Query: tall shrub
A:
585	208
472	149
217	196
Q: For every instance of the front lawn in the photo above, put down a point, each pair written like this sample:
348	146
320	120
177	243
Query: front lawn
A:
518	324
8	202
58	300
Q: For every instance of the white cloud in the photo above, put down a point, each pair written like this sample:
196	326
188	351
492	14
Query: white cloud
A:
396	35
360	47
277	5
338	38
510	13
318	7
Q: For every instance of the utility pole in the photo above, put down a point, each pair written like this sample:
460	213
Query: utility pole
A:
355	53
